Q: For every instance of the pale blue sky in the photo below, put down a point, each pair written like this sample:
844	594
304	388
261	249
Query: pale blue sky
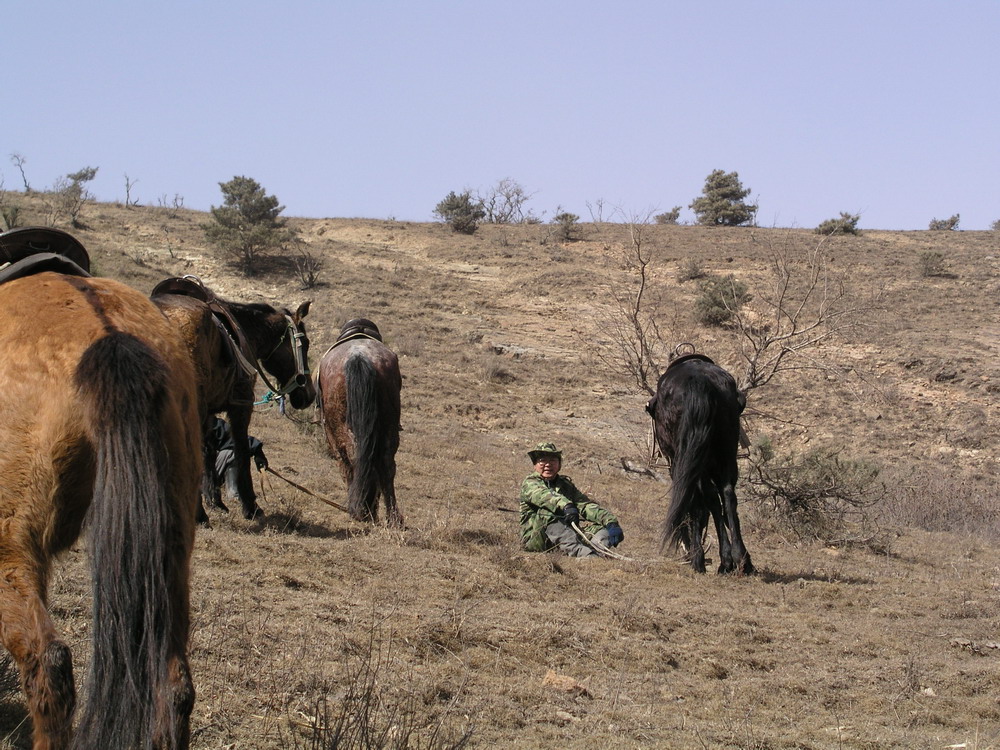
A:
349	108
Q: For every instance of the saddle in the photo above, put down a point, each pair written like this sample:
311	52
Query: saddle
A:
234	338
358	328
31	250
685	352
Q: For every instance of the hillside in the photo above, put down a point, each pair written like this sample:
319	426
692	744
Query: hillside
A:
448	626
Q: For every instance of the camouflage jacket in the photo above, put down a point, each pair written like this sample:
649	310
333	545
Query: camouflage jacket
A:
542	502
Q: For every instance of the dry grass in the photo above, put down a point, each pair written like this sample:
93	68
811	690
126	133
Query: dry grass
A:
307	621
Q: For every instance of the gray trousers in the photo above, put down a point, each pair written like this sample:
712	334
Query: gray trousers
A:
570	542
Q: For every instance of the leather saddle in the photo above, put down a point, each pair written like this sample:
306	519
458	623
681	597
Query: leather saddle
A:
30	250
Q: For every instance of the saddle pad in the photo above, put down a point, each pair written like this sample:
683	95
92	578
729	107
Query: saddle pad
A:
38	263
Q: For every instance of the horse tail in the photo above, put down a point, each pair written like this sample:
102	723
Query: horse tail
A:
134	539
692	458
362	419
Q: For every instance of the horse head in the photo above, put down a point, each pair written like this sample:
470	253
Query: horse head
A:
287	356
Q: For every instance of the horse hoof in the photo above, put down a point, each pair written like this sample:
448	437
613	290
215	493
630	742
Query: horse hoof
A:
253	514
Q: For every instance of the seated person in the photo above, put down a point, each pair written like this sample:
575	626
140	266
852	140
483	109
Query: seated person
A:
551	504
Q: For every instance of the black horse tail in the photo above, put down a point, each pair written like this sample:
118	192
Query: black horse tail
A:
692	457
134	534
363	419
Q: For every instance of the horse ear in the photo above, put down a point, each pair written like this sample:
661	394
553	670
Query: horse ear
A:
303	310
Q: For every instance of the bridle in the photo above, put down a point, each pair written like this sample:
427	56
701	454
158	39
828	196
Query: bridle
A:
301	376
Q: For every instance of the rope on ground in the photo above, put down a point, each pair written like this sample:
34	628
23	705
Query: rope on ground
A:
329	502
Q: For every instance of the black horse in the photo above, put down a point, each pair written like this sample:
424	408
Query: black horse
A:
696	417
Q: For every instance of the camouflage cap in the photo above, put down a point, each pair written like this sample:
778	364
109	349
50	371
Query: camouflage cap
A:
544	449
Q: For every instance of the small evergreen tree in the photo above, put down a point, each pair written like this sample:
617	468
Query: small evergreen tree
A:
567	223
460	211
668	217
247	226
719	299
71	193
846	224
944	224
722	201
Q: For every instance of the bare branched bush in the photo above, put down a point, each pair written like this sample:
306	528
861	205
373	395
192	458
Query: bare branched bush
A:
370	715
504	203
308	267
635	345
18	161
171	205
803	305
130	202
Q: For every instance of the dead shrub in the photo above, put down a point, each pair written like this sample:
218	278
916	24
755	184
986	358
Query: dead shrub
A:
820	494
376	710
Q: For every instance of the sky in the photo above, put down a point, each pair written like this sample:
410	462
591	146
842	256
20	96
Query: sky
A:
889	109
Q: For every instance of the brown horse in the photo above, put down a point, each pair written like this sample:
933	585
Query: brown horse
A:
98	410
696	421
231	343
359	385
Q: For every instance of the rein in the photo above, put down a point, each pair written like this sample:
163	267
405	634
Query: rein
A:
329	502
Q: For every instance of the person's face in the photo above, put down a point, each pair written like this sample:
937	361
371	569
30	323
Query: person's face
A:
548	466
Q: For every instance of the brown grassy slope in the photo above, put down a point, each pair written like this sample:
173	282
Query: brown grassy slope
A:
499	336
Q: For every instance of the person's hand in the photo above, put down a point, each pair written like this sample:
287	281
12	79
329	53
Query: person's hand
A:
615	534
260	460
571	515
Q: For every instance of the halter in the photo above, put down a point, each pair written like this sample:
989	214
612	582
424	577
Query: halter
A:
301	376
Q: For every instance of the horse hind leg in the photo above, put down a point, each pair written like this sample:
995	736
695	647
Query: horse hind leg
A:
44	662
726	561
742	565
392	515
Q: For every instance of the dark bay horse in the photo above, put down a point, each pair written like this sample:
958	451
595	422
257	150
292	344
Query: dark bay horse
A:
231	343
359	385
696	421
98	426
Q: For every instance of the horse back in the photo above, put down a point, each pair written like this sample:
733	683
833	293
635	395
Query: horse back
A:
695	394
47	322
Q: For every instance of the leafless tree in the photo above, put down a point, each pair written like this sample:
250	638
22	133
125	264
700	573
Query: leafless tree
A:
504	203
802	305
18	161
129	184
636	346
798	307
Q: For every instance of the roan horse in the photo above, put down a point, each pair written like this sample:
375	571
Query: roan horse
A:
696	421
359	385
98	423
231	343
